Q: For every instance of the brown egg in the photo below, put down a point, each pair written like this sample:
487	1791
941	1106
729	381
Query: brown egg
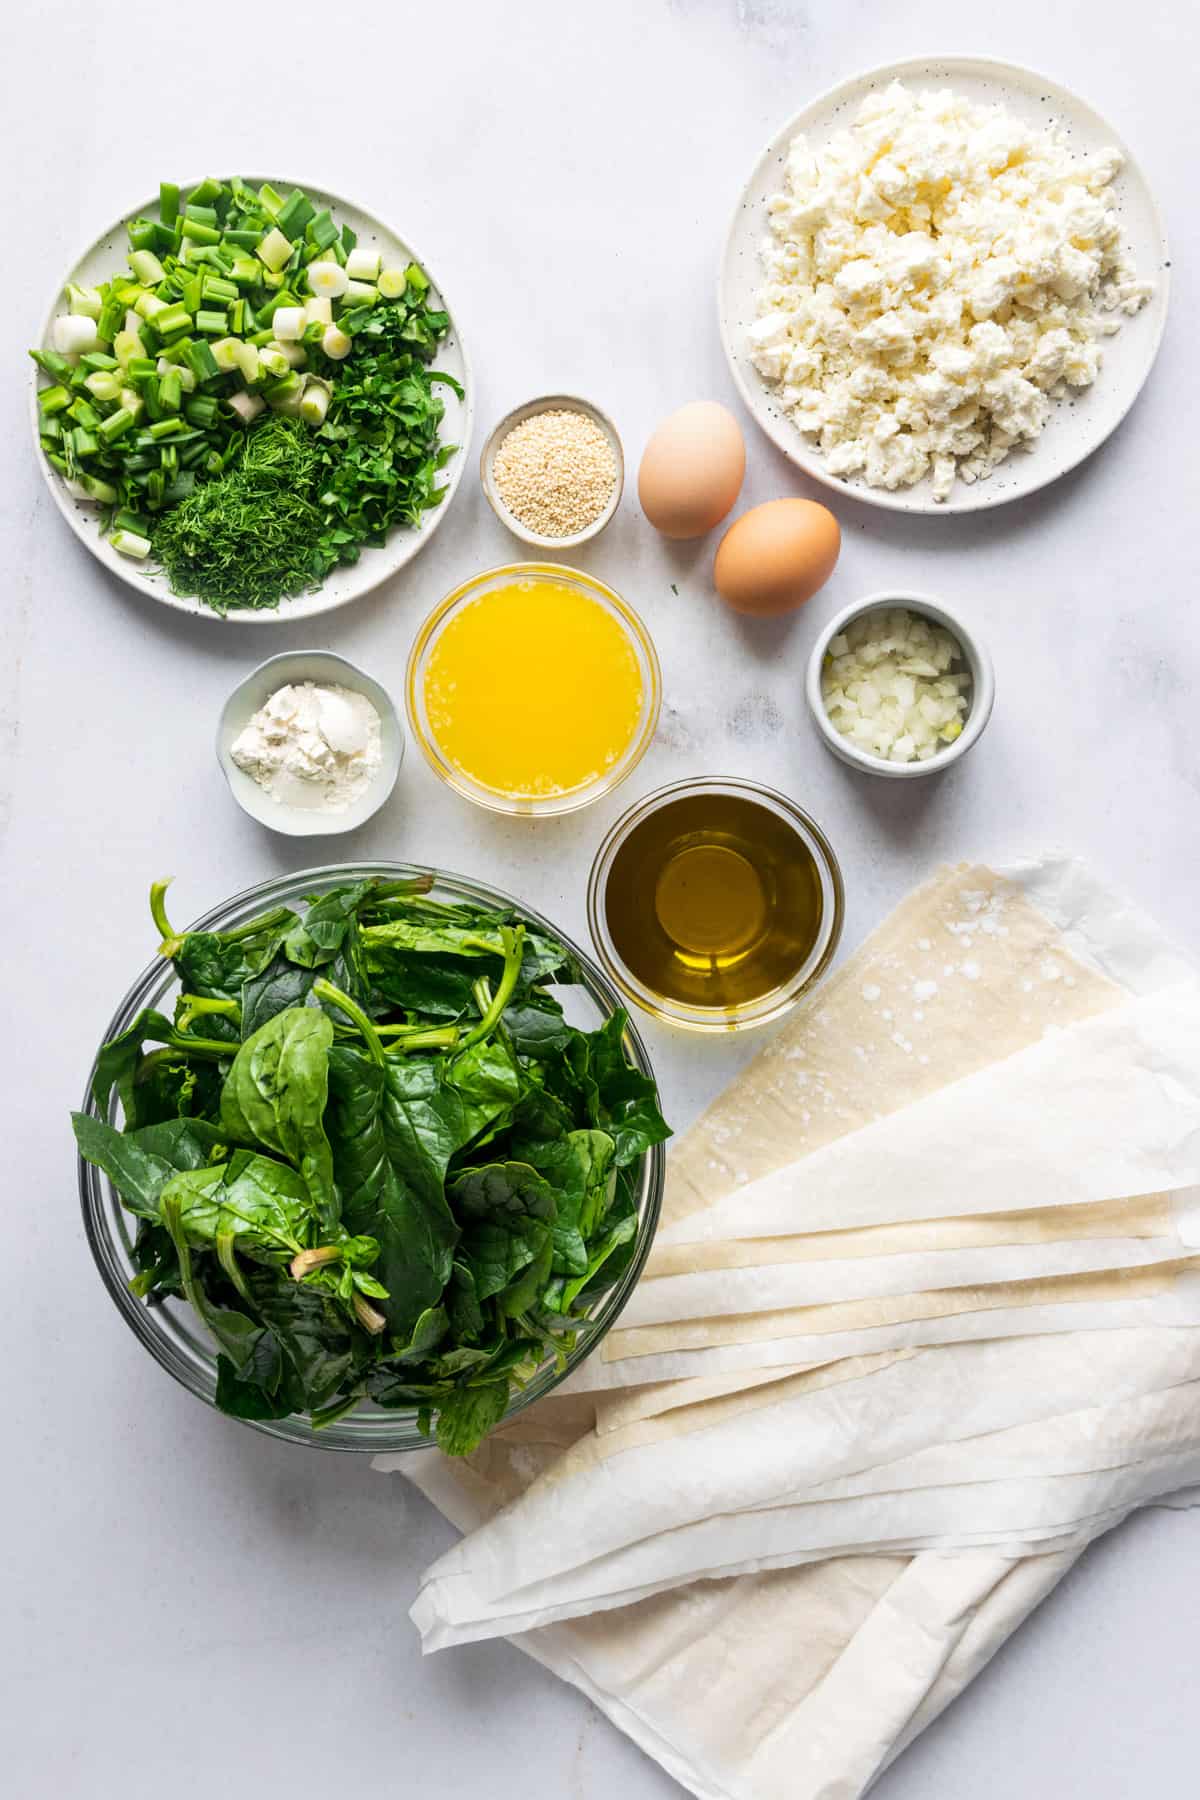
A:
691	470
776	556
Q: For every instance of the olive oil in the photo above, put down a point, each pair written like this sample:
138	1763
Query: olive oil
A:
714	900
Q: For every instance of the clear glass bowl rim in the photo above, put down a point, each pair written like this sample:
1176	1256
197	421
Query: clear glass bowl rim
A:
694	1018
372	1431
535	806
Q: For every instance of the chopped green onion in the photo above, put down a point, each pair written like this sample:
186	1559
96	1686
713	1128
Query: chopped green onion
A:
116	424
200	215
247	359
322	230
101	491
75	332
165	428
274	250
315	402
82	442
147	267
148	306
215	287
212	322
270	201
168	202
130	543
361	293
127	344
109	322
242	237
171	319
200	410
295	214
199	359
363	264
84	300
54	400
418	281
97	359
196	233
209	189
392	283
123	520
101	385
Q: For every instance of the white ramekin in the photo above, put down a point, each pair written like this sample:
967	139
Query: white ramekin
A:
979	663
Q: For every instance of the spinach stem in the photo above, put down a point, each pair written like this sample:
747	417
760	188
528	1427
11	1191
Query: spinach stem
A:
196	1005
325	990
512	941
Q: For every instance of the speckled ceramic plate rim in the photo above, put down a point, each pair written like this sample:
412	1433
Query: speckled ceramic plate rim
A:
346	583
1129	356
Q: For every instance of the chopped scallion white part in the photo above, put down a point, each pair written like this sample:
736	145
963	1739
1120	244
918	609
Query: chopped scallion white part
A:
362	264
84	300
146	267
247	406
187	380
361	293
133	403
77	491
133	321
103	385
74	334
130	543
335	343
315	401
146	305
272	361
294	355
247	358
328	279
318	310
392	283
224	353
126	345
274	250
287	322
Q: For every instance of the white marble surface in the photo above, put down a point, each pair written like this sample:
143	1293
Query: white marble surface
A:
190	1608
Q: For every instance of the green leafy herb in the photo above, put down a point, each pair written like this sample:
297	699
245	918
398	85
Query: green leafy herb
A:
373	1155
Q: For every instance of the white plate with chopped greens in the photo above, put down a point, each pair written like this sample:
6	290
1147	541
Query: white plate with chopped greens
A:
318	349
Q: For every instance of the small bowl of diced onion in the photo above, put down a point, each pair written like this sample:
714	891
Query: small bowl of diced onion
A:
899	686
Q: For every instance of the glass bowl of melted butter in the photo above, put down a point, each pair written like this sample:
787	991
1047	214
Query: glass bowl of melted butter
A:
716	904
533	689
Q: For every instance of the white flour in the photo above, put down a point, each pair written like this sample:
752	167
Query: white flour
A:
313	747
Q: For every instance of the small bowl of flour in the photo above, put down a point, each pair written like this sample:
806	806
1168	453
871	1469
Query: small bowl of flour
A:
309	744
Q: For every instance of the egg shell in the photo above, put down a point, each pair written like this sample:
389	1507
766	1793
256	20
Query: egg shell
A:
776	556
692	469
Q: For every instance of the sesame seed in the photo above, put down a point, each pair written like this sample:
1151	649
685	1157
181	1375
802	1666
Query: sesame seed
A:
555	472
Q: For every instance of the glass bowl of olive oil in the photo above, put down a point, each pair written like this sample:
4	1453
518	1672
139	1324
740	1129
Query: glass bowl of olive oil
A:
715	904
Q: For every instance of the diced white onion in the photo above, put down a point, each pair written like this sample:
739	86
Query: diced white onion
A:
896	685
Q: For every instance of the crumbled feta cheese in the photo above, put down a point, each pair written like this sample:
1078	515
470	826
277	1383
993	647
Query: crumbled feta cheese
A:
932	276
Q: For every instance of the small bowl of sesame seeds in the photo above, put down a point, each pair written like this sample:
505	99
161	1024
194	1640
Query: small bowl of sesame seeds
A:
553	471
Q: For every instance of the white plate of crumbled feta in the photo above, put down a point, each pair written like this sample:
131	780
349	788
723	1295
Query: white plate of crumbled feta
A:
944	285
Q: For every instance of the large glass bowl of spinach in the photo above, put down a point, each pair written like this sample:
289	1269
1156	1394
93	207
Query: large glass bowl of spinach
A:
370	1157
